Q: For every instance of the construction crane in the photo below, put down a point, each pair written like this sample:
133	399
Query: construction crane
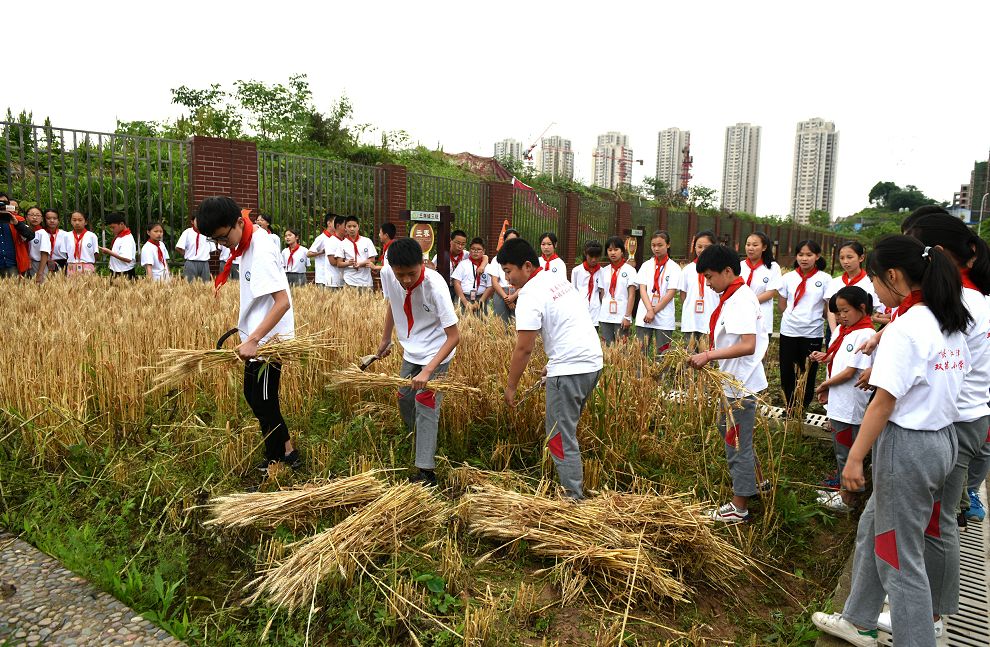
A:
686	163
528	155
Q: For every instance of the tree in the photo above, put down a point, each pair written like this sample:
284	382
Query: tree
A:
277	112
210	113
880	193
819	218
654	187
703	197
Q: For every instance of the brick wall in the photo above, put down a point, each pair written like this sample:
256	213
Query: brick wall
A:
223	167
395	197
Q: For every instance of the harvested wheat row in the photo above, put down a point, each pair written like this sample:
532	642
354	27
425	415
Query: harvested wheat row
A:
354	378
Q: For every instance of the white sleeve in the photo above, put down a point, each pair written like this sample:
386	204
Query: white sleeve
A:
675	280
45	244
374	252
775	278
785	288
633	276
683	286
896	367
444	305
645	277
267	275
130	248
742	318
147	256
529	313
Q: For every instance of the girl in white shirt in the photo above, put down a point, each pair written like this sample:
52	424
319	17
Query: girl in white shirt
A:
587	279
619	280
81	246
34	218
154	256
803	303
550	262
295	259
659	280
762	275
698	301
852	257
919	369
52	254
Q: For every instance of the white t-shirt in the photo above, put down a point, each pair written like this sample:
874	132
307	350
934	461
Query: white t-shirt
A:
741	315
88	248
846	403
471	279
614	305
764	279
432	309
549	304
454	262
864	282
149	256
556	266
670	279
357	276
321	266
695	316
189	241
42	243
922	368
58	250
972	399
805	320
261	277
126	247
225	254
335	275
579	279
300	261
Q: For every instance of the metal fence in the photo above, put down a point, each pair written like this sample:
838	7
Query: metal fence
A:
468	200
647	219
597	221
680	234
534	213
298	191
95	172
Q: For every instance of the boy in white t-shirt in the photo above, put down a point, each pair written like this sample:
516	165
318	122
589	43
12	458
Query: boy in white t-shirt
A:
266	311
123	249
549	306
318	252
195	250
357	254
587	279
619	280
422	315
659	280
154	255
386	235
472	284
739	344
335	263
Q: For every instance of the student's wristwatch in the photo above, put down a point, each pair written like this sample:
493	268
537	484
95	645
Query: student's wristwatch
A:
627	318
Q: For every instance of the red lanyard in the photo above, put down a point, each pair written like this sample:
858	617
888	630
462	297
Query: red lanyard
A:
79	239
701	280
752	271
799	292
862	324
658	271
548	259
729	291
592	270
407	304
292	252
236	253
615	278
477	275
853	281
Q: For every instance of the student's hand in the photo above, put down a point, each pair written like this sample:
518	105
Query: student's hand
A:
39	278
818	356
648	317
104	250
510	299
626	323
853	479
699	360
510	396
52	266
512	306
420	379
870	345
247	349
384	349
863	381
544	373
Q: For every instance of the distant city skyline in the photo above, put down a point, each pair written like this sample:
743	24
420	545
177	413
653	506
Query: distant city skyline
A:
613	160
816	149
671	143
741	168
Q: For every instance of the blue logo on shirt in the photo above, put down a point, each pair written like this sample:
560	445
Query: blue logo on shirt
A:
818	284
766	279
89	245
623	275
554	269
247	276
36	241
426	307
849	347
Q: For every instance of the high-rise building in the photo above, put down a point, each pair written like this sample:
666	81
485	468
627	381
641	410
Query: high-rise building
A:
556	158
509	149
741	168
670	156
613	161
816	146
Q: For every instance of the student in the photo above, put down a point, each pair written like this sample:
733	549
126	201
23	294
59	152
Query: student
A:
803	304
422	315
52	248
472	285
317	251
549	306
918	372
15	240
196	250
550	261
697	300
265	222
34	217
336	263
265	311
458	241
235	267
503	299
81	246
844	403
587	279
154	255
358	254
762	275
852	256
619	280
295	258
737	341
659	279
123	249
386	234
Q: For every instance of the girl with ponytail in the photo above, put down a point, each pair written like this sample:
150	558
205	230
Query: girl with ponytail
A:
918	371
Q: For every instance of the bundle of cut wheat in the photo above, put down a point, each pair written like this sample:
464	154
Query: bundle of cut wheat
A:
296	507
354	378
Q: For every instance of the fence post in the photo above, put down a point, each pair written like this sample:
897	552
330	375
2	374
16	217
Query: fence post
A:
394	200
736	226
623	218
664	218
220	166
499	209
572	220
692	230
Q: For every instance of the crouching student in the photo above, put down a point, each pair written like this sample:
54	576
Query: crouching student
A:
266	311
472	283
659	279
587	279
619	280
422	314
549	306
919	368
738	342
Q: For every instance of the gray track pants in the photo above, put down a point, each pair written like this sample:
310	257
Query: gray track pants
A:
193	270
909	469
739	444
500	309
612	332
420	411
654	340
843	436
566	397
979	467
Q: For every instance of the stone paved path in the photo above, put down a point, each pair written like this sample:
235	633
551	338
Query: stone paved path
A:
53	606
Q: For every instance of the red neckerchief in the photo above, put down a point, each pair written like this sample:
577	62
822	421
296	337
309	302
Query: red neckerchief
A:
853	281
477	274
752	271
456	260
158	247
123	232
913	299
326	232
37	227
196	248
52	235
966	281
548	259
591	270
729	291
615	277
354	242
79	240
658	272
235	253
407	304
292	252
862	324
385	248
799	292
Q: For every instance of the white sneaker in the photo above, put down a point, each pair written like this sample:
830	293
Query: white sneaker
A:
836	504
835	625
883	624
824	495
729	513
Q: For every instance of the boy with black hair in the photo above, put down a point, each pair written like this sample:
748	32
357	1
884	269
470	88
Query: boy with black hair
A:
422	315
336	264
123	249
195	250
472	284
549	306
358	254
266	311
386	234
458	241
587	279
738	343
321	266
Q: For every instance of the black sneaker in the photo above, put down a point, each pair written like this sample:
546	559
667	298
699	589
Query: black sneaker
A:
293	460
426	478
264	465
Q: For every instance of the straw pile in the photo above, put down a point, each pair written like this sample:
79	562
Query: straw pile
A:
296	507
378	530
354	378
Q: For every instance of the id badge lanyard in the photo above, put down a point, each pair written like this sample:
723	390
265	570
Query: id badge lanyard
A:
699	305
613	306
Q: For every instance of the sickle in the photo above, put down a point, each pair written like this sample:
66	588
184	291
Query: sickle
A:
224	337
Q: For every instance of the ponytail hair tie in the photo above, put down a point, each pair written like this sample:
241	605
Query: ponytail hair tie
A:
924	254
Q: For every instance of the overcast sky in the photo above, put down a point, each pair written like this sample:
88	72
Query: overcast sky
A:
906	83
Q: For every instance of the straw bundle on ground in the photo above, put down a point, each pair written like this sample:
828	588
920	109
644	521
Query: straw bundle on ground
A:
354	378
296	507
376	530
